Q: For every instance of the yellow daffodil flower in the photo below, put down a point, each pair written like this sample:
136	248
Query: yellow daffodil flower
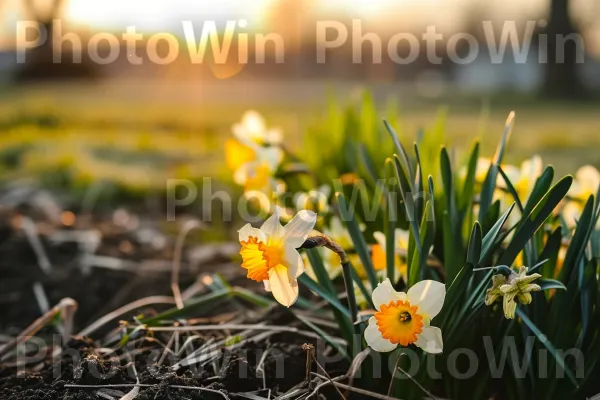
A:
585	184
253	128
269	253
378	253
403	318
517	285
316	200
253	165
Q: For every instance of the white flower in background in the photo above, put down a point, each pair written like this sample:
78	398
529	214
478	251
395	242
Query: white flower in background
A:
403	318
585	184
254	128
316	200
270	256
401	251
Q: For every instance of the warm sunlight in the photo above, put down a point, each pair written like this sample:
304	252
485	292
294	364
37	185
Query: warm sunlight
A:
155	15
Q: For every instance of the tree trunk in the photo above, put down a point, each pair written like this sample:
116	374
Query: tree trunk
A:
562	79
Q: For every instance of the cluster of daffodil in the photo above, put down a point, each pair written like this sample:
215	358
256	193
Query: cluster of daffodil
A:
523	179
254	155
270	255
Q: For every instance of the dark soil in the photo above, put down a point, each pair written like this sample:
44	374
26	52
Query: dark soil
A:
99	291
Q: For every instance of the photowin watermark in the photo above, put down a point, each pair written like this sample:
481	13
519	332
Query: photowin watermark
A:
232	354
253	206
222	42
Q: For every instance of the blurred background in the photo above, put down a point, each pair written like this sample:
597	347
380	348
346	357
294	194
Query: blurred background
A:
139	123
86	147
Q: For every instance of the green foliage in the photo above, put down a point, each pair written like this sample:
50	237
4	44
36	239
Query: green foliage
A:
462	231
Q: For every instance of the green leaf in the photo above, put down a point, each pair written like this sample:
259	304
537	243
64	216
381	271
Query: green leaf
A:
190	307
541	187
321	291
427	234
252	297
318	267
410	215
546	284
402	155
475	246
358	239
489	185
468	190
547	344
489	240
535	220
579	242
392	218
453	251
511	189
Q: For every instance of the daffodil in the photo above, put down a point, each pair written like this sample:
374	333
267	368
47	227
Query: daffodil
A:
253	165
401	249
585	184
253	128
403	318
269	253
516	286
316	200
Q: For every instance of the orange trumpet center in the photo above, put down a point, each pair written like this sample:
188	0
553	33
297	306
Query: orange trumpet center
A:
258	258
399	323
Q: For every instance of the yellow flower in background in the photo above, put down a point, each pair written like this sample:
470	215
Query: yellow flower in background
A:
253	165
316	200
515	286
403	318
585	184
254	128
401	249
269	253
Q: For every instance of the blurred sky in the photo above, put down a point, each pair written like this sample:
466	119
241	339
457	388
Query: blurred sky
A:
166	15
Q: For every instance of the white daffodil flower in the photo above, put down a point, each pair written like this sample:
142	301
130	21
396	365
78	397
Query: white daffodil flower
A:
254	128
403	318
270	256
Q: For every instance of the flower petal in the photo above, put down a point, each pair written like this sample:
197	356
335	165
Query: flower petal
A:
428	296
294	261
284	290
272	228
380	238
248	231
296	231
430	340
375	340
267	285
384	293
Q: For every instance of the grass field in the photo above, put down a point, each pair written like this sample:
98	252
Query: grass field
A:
195	120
